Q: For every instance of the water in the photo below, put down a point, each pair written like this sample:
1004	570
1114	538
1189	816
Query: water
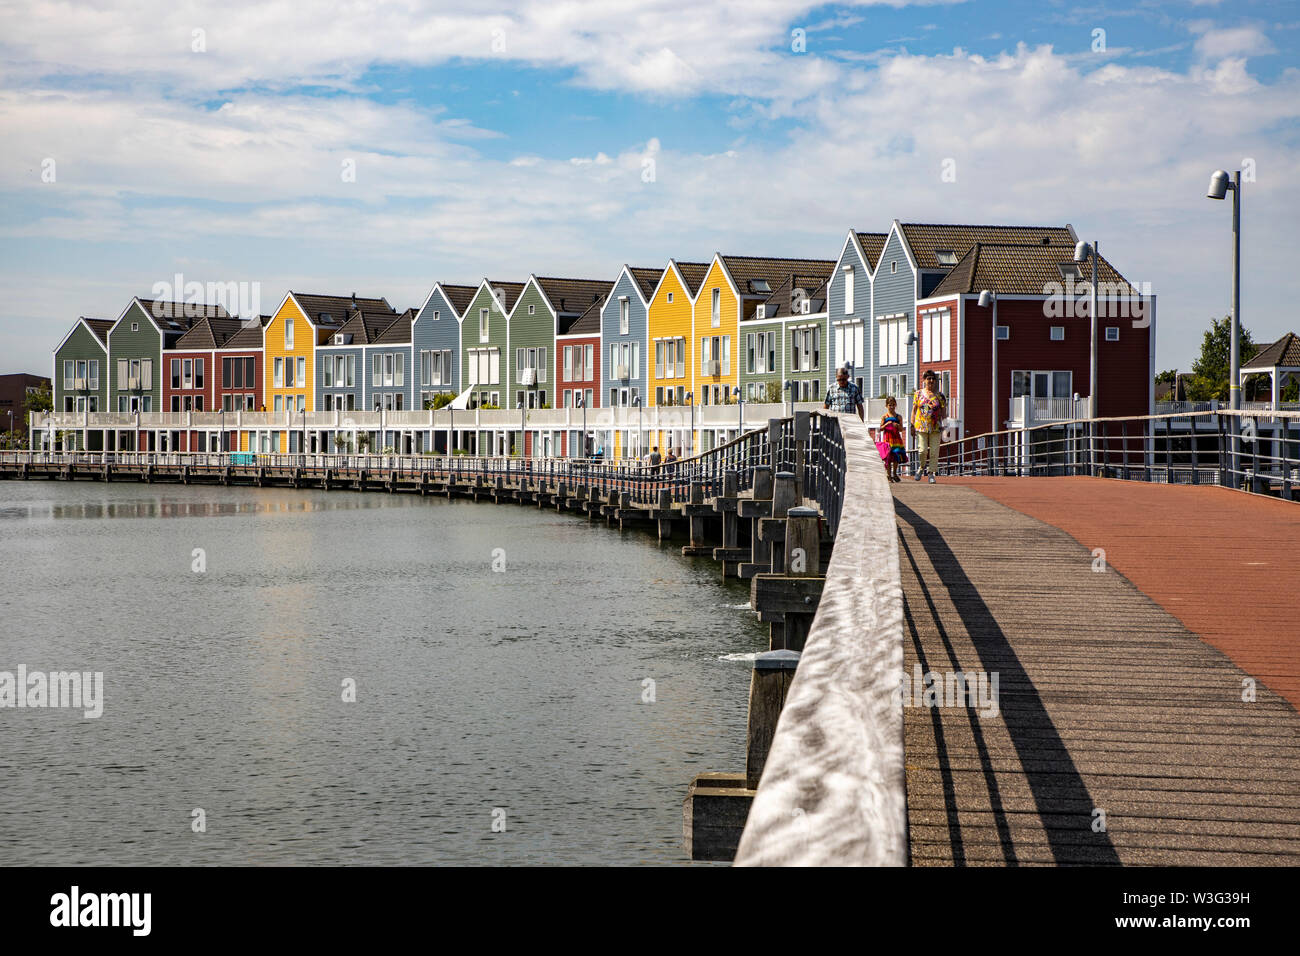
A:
481	697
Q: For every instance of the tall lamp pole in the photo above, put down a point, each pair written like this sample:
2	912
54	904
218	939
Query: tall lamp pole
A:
690	400
1084	251
740	401
1220	185
990	300
640	427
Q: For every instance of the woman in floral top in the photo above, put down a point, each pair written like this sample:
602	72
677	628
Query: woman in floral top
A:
929	409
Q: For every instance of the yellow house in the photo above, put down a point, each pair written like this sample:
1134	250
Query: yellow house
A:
670	345
289	342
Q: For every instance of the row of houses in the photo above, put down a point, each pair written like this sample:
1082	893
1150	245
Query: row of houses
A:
734	329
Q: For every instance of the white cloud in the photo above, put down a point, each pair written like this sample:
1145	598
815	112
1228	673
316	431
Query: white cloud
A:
1215	43
249	182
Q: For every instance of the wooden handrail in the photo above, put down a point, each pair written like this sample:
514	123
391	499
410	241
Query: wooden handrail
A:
833	790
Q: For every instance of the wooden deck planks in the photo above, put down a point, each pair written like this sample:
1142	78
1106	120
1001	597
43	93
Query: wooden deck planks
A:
1106	700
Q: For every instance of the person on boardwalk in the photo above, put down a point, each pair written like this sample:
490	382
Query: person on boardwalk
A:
929	409
655	457
844	395
889	439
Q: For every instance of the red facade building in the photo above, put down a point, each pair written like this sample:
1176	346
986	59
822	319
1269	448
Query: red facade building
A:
1042	346
577	373
216	366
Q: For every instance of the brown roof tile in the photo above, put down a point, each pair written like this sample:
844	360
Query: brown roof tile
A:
334	310
1020	269
397	332
510	292
459	296
926	238
573	297
100	327
646	279
781	303
873	244
747	271
693	273
1285	351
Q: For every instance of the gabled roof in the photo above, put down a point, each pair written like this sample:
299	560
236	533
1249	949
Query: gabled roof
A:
1285	352
334	310
173	319
693	274
872	245
364	327
925	239
588	323
572	297
749	272
646	279
510	292
249	336
781	303
208	333
1021	269
458	296
99	327
398	332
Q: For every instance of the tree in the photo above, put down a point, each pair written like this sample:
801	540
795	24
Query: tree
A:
1209	378
39	400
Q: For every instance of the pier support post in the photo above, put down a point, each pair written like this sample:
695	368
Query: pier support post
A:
768	687
665	508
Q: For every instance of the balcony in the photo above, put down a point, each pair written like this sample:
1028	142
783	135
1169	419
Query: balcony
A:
713	368
1024	410
621	373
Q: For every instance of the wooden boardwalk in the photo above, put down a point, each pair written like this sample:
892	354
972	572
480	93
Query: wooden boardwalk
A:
1108	703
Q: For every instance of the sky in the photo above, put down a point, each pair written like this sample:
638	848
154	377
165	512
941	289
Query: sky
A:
379	147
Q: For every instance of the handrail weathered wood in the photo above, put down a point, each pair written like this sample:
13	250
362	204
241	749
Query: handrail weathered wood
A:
833	789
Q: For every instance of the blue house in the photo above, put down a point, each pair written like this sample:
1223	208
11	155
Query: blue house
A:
435	341
848	301
623	325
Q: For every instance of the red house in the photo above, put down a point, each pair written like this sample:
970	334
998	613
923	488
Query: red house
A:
577	374
1042	343
215	366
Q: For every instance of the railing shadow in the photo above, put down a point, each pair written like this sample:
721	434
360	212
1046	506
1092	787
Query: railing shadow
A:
1054	781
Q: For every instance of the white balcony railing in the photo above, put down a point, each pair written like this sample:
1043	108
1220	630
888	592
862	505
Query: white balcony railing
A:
1025	408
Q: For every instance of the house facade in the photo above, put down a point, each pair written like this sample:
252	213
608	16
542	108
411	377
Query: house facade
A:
436	342
624	329
80	379
848	303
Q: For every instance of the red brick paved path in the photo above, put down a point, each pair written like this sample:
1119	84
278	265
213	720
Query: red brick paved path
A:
1224	563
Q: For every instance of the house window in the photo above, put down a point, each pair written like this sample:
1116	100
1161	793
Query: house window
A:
623	313
848	290
436	315
893	267
532	309
482	325
1058	333
670	298
288	333
135	326
187	373
715	315
1003	332
277	375
1112	333
198	375
176	373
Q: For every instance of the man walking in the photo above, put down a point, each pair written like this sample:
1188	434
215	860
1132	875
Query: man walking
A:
844	395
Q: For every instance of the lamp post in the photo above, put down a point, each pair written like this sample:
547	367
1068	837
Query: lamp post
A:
740	400
690	401
640	427
1084	251
789	387
990	300
583	405
221	444
523	424
1220	185
912	339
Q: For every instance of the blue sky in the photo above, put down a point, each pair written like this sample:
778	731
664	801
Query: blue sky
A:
504	139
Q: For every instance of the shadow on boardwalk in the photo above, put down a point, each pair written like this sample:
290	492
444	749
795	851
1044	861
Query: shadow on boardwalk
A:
1111	713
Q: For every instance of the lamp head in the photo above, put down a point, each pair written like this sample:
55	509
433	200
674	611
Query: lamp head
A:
1082	250
1219	185
987	299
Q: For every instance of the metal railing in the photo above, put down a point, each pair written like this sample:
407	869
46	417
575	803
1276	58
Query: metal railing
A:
777	443
1253	450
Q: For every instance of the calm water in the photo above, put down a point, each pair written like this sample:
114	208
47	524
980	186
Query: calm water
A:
476	690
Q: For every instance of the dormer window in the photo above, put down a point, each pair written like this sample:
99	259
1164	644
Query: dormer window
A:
946	257
760	286
761	312
1069	270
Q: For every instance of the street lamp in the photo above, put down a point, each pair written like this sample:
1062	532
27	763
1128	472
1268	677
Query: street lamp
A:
789	387
523	425
990	300
640	426
222	443
581	403
1082	252
690	400
741	402
1220	185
